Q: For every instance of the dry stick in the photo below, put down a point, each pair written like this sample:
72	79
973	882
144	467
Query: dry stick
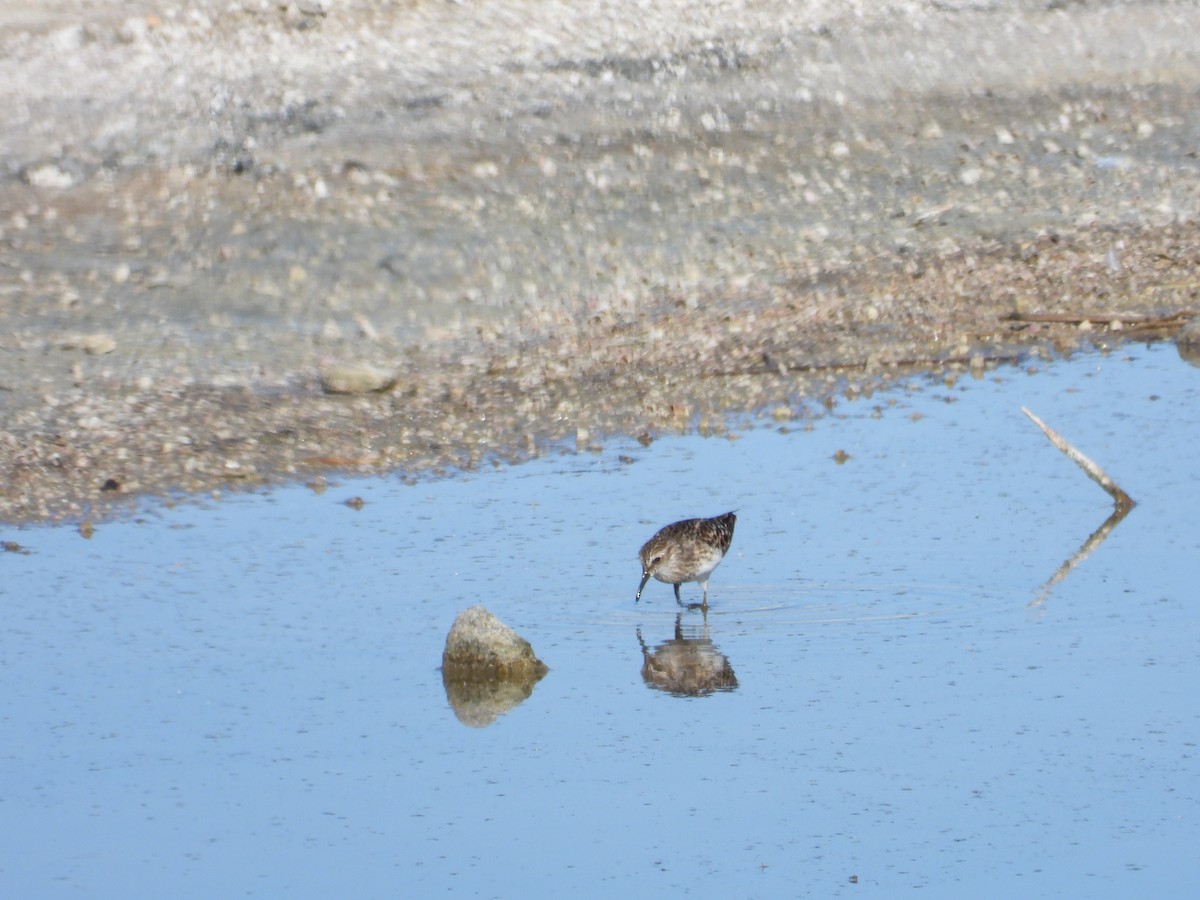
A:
1075	318
1094	472
1142	321
1124	503
915	362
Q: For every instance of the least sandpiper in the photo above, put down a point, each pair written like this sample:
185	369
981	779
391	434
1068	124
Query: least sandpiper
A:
686	551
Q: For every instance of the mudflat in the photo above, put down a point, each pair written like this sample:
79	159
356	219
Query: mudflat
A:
248	241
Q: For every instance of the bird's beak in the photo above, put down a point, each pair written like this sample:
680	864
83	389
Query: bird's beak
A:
645	578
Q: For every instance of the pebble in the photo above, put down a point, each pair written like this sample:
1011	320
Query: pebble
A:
98	344
356	378
50	176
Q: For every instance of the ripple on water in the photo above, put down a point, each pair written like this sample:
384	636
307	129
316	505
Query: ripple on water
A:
750	607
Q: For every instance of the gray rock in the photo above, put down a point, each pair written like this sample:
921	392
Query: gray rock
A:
487	668
480	646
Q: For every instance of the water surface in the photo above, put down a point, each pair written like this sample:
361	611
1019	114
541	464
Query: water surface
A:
243	696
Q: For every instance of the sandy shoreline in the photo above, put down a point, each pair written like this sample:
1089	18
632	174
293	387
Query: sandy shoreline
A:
548	223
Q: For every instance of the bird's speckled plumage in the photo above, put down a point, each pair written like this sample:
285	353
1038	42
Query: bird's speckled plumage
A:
686	551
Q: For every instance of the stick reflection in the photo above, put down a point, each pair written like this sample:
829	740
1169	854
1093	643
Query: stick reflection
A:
1095	540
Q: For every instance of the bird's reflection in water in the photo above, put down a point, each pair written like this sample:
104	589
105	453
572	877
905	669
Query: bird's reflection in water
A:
687	666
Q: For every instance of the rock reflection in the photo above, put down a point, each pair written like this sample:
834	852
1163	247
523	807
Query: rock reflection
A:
1188	342
487	668
687	666
480	703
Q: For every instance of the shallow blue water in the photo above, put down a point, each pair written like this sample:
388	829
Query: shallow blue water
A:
244	697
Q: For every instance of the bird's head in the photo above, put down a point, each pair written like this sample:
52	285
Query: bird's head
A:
653	558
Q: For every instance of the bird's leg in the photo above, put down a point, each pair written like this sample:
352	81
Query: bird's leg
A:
677	597
703	606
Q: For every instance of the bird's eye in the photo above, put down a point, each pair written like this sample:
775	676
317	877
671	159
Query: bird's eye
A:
656	561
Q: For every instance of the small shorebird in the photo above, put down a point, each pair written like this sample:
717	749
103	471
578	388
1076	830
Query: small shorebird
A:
686	551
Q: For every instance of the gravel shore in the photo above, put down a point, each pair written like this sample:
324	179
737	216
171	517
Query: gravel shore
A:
490	227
